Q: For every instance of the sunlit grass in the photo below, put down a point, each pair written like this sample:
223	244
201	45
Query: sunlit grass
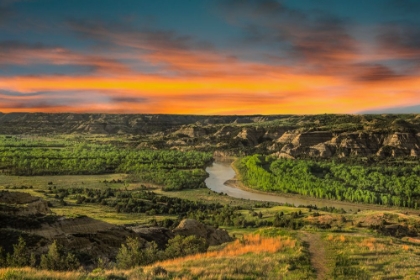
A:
251	257
376	257
31	273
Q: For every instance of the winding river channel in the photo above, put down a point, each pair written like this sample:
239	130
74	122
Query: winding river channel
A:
221	171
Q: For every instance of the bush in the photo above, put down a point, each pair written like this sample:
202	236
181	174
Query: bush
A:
181	246
134	252
56	260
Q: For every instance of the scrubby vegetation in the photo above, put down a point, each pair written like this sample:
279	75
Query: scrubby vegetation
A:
133	253
55	259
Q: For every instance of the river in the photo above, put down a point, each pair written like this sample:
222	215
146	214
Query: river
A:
221	171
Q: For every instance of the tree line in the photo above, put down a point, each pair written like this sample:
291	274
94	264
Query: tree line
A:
134	252
374	183
173	169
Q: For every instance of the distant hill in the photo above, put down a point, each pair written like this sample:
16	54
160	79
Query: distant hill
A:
292	136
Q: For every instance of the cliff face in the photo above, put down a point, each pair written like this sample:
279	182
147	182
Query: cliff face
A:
191	131
252	135
326	144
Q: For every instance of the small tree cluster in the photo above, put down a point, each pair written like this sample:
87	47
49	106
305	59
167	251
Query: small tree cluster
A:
55	259
181	246
136	252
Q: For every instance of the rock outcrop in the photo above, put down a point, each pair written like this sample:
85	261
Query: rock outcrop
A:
212	235
226	132
20	203
191	131
253	135
311	138
86	235
159	235
363	144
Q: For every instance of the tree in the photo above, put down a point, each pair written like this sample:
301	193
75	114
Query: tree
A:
2	260
20	256
55	259
71	262
51	260
182	246
32	260
135	253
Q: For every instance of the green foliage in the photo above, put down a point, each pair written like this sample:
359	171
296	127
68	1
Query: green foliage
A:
136	201
2	259
346	267
377	184
180	246
135	253
55	259
20	256
173	169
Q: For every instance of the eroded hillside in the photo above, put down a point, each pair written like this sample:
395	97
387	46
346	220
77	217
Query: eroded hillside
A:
287	136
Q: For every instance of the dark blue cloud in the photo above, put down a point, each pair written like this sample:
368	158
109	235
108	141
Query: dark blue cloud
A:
5	14
19	94
128	99
318	38
395	110
374	73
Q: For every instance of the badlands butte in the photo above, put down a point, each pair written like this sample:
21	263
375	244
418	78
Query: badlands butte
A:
288	136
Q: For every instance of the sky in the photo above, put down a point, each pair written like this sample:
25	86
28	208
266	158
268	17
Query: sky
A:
213	57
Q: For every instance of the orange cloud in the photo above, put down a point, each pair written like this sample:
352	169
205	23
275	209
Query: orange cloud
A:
204	81
283	93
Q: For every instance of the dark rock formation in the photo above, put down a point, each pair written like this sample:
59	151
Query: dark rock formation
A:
192	227
159	235
19	203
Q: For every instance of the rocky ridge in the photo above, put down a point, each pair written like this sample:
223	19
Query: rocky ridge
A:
287	136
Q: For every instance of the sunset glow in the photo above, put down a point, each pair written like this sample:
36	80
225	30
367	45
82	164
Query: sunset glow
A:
228	57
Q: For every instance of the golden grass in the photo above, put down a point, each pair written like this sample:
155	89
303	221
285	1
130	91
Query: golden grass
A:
248	244
32	273
253	257
412	240
341	238
369	243
376	257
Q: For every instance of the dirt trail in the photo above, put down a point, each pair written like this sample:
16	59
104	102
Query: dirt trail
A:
317	252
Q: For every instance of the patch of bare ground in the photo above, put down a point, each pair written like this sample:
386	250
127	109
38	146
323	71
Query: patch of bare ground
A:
317	253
